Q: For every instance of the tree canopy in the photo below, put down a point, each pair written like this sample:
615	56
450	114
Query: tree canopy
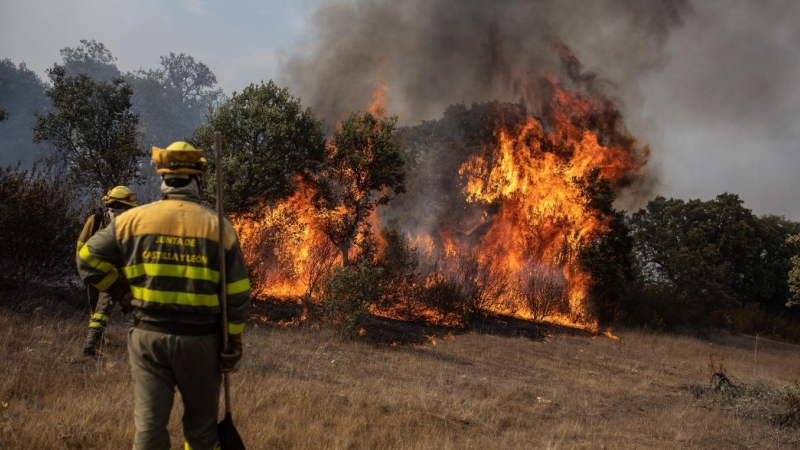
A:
362	167
91	58
173	100
22	94
92	130
268	140
708	255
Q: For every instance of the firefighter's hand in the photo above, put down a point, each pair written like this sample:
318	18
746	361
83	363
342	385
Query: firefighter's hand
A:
228	359
120	292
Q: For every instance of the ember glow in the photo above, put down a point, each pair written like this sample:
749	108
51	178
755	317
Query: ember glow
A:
529	214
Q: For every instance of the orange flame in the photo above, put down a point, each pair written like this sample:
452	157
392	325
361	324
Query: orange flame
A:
380	100
527	188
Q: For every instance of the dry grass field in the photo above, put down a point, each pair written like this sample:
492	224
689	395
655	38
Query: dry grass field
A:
499	386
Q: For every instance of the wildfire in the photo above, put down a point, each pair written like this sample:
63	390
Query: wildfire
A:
518	253
380	100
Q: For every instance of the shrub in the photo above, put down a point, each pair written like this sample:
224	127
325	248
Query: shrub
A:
400	265
41	217
543	290
347	295
446	298
482	282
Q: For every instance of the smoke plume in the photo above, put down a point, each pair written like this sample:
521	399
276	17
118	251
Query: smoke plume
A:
433	53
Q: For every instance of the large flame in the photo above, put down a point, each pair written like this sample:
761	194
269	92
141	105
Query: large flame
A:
533	217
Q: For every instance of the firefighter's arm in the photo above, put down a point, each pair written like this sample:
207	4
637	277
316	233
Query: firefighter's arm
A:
237	289
237	293
96	261
85	234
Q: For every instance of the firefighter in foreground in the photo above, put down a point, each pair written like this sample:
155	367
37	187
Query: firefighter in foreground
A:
116	202
169	253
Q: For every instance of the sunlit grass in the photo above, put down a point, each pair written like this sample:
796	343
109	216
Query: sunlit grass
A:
311	389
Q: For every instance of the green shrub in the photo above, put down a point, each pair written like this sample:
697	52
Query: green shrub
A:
347	295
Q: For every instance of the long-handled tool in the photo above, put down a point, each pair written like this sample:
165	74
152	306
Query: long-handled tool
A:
229	438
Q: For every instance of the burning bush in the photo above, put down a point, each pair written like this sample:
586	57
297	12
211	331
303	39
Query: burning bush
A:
400	264
445	299
543	290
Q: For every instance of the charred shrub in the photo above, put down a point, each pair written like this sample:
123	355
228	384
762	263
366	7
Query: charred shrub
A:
400	265
446	298
40	220
347	294
482	282
543	290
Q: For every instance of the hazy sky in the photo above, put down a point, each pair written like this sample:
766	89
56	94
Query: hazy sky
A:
718	102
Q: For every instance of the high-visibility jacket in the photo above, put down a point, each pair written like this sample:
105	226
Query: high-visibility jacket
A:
89	228
169	253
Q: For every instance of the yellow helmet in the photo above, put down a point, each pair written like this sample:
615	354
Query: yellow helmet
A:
120	194
179	157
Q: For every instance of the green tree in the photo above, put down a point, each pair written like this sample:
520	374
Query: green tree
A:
268	141
708	254
22	94
362	166
93	130
794	272
607	256
173	101
91	58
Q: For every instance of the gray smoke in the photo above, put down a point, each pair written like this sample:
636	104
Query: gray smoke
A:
711	86
433	53
726	107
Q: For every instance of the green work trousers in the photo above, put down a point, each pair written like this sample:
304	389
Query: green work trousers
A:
161	362
101	305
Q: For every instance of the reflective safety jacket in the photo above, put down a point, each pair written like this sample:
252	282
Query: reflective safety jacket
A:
169	253
89	228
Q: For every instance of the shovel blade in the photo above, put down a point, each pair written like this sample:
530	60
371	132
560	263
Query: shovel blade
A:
229	438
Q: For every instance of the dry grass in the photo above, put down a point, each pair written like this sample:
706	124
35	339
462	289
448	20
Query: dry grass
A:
308	389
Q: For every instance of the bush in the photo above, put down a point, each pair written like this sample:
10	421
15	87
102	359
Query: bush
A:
483	282
400	265
543	290
40	220
347	295
446	298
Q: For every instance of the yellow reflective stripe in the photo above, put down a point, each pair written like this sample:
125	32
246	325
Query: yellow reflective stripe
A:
80	244
186	446
235	328
174	298
94	261
107	281
172	270
97	325
238	286
98	316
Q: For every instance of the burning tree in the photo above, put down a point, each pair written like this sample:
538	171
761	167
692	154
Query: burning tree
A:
508	208
519	185
362	164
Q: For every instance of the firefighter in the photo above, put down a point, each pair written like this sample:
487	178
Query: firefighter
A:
116	201
168	252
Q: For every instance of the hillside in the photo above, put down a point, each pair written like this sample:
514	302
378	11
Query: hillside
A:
489	388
